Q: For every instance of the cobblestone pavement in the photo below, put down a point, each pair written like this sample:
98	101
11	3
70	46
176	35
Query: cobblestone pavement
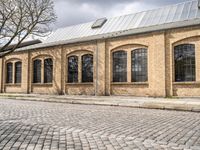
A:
39	125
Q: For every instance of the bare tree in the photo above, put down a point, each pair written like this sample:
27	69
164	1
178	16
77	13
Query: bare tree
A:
20	19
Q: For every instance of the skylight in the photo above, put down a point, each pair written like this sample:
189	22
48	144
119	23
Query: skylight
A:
99	23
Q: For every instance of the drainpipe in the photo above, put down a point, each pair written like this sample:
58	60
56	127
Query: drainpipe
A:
199	4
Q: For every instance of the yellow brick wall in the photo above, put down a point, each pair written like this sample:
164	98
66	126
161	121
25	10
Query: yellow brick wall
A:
78	50
55	87
100	56
155	45
160	66
173	38
16	88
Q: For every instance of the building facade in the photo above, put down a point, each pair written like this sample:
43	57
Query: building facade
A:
152	59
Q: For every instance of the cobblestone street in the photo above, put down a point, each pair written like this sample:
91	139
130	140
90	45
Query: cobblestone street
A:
39	125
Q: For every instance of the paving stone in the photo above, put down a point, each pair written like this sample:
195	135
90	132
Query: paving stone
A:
28	125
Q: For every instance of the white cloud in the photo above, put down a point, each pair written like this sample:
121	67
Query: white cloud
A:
123	9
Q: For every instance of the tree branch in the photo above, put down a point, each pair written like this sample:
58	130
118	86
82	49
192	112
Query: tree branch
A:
20	19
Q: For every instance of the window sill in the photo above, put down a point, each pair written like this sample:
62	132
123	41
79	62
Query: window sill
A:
131	83
87	83
13	84
42	84
186	83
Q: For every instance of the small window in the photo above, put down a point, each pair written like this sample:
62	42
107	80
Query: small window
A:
9	73
99	23
37	71
48	70
18	72
73	69
139	65
120	66
87	68
184	57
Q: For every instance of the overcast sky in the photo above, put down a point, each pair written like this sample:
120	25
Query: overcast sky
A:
70	12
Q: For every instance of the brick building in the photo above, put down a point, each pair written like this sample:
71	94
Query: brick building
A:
151	53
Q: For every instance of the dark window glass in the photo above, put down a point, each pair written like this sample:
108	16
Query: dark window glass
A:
18	72
73	69
48	70
139	65
184	57
120	66
87	68
37	71
9	73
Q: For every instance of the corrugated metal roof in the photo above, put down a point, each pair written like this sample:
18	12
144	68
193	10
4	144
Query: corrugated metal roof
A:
178	15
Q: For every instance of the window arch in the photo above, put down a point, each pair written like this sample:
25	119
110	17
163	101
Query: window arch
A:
9	75
139	67
48	70
37	71
184	59
120	66
18	72
72	69
87	68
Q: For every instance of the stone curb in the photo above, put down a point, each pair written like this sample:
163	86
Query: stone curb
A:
136	104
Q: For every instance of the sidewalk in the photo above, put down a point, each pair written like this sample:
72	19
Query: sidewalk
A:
184	104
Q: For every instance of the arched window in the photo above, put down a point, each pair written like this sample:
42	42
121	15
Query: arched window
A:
9	73
120	66
37	71
184	58
139	65
72	69
48	70
87	68
18	72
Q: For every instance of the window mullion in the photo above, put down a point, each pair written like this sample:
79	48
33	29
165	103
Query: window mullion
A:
79	69
129	66
13	74
42	71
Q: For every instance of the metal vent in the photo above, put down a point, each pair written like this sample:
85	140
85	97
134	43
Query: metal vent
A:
99	23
